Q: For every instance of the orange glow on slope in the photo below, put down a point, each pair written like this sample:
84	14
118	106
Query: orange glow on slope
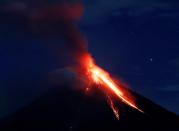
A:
100	76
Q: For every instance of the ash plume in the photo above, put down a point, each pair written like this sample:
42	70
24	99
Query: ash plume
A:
55	19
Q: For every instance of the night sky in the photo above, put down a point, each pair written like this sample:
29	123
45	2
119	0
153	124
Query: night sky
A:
137	41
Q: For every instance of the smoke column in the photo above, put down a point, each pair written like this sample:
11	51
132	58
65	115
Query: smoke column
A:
53	19
66	15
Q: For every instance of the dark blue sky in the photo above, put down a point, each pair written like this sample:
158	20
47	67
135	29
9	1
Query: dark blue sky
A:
136	41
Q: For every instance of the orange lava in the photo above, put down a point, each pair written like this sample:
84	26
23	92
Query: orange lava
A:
113	107
99	76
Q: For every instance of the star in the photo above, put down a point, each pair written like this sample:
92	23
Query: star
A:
151	59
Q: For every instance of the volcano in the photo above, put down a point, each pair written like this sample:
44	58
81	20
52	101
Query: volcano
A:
64	109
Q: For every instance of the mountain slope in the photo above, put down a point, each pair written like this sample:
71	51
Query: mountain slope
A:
63	109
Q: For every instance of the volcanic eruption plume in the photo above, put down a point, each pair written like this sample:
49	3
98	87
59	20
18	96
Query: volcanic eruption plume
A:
86	66
66	14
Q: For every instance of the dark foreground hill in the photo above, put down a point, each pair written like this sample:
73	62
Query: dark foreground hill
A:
63	109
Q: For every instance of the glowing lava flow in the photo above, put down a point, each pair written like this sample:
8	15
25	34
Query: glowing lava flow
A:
114	109
100	76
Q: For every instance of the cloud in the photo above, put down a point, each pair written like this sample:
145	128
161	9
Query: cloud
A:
67	77
99	10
